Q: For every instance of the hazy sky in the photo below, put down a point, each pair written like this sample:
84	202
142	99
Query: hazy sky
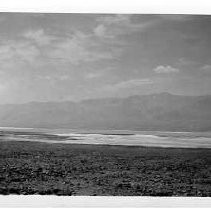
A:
53	57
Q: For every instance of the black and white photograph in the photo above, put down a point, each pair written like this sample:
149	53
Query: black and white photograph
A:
95	104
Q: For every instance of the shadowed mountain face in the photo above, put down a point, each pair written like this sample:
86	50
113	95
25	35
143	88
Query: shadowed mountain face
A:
163	111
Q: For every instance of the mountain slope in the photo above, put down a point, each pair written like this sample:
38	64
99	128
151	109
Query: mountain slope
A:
148	112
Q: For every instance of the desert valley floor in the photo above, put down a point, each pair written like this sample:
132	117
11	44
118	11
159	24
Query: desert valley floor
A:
80	169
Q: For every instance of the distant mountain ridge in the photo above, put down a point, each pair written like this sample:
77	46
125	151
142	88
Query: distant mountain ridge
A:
164	111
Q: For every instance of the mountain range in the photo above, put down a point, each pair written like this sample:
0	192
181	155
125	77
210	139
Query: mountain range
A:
163	112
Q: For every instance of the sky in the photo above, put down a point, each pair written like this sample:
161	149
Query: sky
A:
59	57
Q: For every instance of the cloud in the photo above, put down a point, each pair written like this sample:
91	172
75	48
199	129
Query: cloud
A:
206	68
184	62
39	37
72	51
115	19
165	70
204	71
100	30
2	88
115	24
41	49
130	84
14	53
93	75
62	77
81	48
111	26
96	73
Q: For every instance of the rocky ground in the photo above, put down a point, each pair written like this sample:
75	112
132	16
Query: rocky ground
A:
41	168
